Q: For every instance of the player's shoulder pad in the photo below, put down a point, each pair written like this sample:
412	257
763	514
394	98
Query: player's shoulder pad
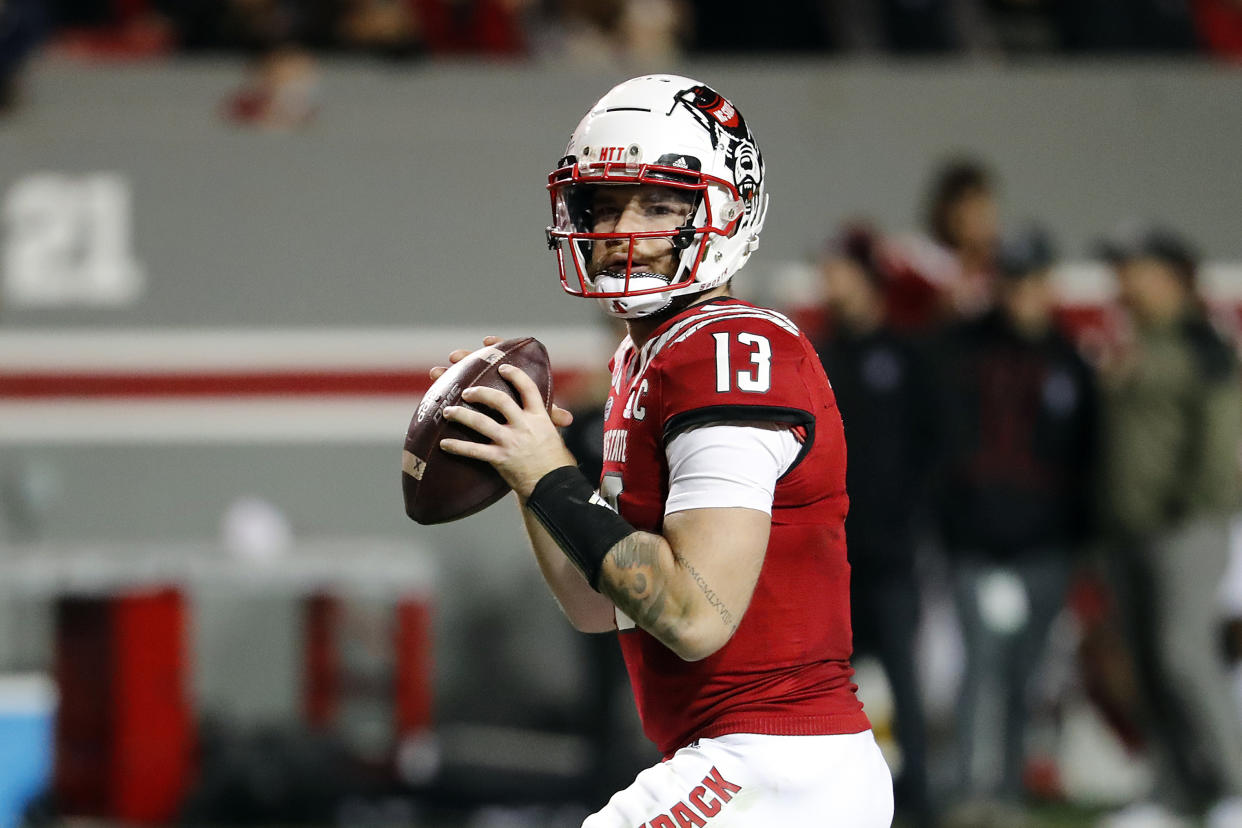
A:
691	337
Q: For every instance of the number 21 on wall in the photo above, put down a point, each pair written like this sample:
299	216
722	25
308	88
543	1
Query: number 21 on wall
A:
757	379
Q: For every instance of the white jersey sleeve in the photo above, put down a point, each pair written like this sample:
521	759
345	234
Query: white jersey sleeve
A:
726	465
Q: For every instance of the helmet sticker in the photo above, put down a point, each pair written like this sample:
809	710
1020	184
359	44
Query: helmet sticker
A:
676	159
743	160
712	111
723	122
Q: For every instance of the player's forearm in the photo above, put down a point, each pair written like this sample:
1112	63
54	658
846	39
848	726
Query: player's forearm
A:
663	594
639	572
587	610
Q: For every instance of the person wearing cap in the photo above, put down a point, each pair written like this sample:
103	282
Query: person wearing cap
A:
1173	415
1019	431
882	389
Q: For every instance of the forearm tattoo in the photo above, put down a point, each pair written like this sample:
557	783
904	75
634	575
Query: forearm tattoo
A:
639	587
710	594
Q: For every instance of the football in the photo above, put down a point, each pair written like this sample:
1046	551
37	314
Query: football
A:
438	486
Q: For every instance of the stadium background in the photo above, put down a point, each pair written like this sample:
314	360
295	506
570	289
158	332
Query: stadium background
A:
212	335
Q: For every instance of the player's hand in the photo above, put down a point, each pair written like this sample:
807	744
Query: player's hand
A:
560	417
524	447
460	354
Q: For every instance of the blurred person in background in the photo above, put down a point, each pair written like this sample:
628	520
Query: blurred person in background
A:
883	392
602	32
1219	23
471	27
947	273
733	26
136	29
382	27
1019	427
23	24
920	26
280	91
1086	26
964	219
1126	26
1173	411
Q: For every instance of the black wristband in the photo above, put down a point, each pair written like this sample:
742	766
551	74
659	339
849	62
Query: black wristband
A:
578	519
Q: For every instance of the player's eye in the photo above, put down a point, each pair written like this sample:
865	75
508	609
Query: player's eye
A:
665	209
603	214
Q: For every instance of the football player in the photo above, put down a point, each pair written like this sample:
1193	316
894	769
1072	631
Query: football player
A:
714	541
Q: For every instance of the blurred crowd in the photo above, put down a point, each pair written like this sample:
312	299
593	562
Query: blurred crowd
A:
1061	464
283	35
591	30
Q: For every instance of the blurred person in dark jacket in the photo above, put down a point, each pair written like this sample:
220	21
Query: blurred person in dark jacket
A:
882	391
1019	437
1173	411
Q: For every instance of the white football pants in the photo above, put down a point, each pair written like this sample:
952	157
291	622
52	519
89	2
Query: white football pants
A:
755	781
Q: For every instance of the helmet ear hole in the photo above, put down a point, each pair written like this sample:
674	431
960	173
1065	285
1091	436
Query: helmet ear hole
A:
684	237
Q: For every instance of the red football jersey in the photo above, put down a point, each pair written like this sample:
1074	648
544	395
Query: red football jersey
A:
786	669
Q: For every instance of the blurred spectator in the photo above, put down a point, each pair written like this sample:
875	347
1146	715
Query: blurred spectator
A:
1025	26
393	28
1174	427
746	26
604	31
22	26
948	273
1125	25
1219	23
883	393
1091	26
1019	429
380	26
482	27
111	28
254	25
281	91
647	30
963	217
919	26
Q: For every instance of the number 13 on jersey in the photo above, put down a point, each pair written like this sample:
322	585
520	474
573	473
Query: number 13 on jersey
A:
756	379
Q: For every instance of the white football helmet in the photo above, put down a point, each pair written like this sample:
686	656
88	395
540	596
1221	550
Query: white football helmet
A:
675	132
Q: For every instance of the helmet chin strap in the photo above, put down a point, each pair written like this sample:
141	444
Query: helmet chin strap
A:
632	307
639	307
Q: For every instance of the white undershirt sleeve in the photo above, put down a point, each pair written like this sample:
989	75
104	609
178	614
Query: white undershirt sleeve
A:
724	465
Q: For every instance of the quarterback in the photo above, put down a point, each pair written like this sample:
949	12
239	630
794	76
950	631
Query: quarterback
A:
714	542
